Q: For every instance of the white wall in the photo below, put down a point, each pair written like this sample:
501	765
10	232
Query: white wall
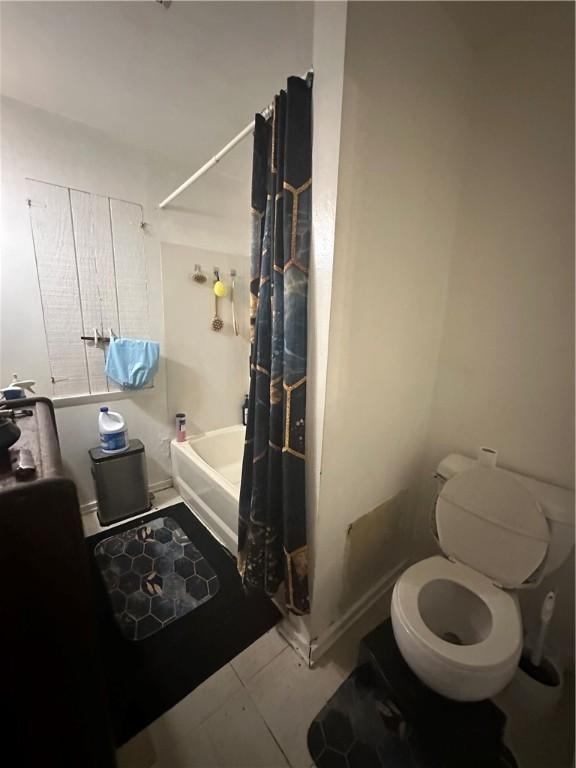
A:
403	128
505	373
329	43
452	312
184	82
207	372
44	146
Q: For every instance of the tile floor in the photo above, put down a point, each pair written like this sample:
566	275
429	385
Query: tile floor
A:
255	711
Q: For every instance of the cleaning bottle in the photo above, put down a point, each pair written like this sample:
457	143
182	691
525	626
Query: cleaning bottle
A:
113	432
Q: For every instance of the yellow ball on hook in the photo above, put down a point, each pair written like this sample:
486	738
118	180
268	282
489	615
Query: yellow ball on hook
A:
220	289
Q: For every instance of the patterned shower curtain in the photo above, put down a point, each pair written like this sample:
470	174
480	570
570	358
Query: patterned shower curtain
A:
272	525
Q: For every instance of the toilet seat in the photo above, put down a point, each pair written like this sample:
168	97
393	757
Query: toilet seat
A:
504	639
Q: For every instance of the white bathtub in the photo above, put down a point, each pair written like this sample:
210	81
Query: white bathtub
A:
206	470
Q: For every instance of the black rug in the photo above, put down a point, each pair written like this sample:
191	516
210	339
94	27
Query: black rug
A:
362	726
148	677
154	575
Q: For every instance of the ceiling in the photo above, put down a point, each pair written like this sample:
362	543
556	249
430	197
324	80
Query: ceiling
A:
180	81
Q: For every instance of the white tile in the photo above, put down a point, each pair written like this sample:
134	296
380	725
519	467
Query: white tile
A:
139	752
194	709
192	749
289	695
257	655
166	498
240	737
91	524
162	499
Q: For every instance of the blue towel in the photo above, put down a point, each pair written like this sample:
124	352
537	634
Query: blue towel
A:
132	363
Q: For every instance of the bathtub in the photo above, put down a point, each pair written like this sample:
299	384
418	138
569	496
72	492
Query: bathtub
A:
206	470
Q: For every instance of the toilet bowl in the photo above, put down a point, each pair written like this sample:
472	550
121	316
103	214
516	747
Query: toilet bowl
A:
459	633
456	618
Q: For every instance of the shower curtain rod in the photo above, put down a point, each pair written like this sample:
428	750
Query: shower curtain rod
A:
266	112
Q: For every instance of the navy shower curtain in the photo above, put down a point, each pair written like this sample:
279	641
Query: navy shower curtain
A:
272	524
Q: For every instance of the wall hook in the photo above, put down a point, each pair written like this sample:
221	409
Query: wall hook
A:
198	276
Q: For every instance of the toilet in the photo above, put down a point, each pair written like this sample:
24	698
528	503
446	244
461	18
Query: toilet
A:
456	618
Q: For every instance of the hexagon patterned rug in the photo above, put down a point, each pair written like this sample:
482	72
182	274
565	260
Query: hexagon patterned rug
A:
362	726
148	677
154	575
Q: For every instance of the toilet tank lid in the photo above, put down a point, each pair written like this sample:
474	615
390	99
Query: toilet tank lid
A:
489	521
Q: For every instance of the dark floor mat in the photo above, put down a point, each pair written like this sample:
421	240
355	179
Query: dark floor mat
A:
362	727
154	575
148	677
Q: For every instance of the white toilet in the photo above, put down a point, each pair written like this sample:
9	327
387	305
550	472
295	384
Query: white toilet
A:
456	619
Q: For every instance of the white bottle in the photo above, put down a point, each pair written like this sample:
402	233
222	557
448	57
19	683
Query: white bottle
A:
113	432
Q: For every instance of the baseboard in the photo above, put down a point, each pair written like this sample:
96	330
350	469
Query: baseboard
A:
319	645
89	507
160	485
298	640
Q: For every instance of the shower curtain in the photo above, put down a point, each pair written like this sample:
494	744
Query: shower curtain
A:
272	523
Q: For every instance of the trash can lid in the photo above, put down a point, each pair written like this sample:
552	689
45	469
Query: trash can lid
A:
134	446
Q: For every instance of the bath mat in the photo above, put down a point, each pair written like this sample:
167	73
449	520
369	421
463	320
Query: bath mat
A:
361	726
146	678
154	575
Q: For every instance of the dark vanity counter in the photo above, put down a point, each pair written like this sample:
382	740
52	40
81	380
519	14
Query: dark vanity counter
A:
39	436
52	678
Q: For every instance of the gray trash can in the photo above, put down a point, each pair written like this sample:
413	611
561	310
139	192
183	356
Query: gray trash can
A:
121	481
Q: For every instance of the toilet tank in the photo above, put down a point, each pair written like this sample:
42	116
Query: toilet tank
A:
557	505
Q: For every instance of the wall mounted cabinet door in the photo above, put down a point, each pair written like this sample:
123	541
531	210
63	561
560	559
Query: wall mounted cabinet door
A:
131	269
95	262
92	274
51	221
